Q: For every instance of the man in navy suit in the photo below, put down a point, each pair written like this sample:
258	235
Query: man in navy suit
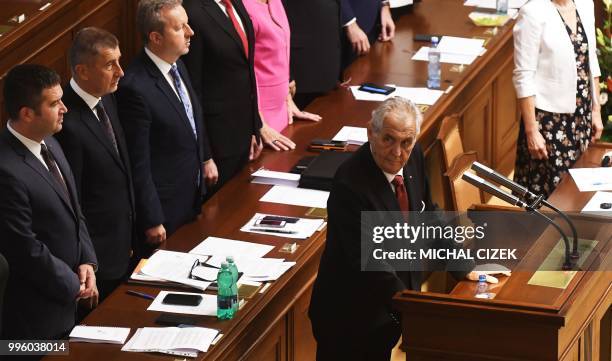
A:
364	21
44	236
163	124
387	174
93	141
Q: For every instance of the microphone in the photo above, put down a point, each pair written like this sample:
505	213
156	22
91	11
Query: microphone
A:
492	189
524	193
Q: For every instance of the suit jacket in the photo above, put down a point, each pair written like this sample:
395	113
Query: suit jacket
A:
44	239
166	157
360	185
315	45
103	179
544	58
367	13
223	76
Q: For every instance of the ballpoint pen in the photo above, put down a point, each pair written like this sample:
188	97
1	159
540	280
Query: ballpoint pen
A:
140	294
282	231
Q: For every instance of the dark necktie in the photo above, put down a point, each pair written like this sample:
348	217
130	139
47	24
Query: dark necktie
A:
184	97
400	193
106	125
230	12
53	168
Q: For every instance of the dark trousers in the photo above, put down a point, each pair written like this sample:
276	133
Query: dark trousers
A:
303	99
228	167
376	346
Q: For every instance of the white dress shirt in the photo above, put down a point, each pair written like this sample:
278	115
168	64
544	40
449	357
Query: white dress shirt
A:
544	58
165	67
89	99
32	145
234	11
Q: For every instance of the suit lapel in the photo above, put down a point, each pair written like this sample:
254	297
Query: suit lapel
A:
213	10
111	112
382	188
64	168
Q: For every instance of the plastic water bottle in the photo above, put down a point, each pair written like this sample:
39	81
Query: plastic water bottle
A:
502	7
433	68
234	270
225	311
482	288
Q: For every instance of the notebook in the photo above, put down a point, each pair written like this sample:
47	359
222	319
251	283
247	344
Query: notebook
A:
96	334
186	341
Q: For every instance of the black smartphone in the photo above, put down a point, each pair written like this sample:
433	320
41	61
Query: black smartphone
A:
281	218
182	299
171	319
376	89
425	37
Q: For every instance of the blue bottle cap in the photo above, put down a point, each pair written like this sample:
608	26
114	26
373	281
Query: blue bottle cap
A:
482	278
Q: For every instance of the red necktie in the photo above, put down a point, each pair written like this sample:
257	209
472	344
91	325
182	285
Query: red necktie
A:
400	193
241	34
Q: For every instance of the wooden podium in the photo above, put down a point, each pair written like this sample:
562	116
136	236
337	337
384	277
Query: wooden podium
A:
524	321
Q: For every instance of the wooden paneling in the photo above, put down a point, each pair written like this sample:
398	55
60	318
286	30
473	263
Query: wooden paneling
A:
300	330
506	121
476	124
273	347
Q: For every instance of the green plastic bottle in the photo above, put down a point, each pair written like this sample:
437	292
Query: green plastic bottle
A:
225	310
234	270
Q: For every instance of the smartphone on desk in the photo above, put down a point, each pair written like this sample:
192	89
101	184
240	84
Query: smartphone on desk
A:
180	299
376	89
274	223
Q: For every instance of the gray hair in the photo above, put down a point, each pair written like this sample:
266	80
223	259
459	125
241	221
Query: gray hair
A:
400	107
88	43
148	16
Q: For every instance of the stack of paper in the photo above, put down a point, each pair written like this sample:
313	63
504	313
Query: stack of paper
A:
264	176
228	247
455	50
296	197
492	4
303	228
171	340
256	269
95	334
353	135
175	267
599	204
422	96
592	179
208	306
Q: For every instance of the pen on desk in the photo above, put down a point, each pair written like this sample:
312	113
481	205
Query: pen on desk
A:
140	294
282	231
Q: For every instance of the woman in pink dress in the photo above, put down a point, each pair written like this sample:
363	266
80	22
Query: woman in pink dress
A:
272	46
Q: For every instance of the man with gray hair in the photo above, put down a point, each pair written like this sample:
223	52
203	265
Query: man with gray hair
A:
94	143
385	174
164	125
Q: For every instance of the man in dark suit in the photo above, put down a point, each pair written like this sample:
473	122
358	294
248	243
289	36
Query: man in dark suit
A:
315	47
92	139
364	21
385	174
221	66
44	236
163	124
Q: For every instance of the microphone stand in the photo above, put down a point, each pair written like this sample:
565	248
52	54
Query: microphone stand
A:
526	194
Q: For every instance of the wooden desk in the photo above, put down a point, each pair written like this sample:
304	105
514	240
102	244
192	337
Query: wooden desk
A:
274	325
524	321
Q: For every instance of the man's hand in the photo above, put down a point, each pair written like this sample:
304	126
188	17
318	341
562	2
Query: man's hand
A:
256	148
87	279
210	172
597	125
155	235
295	112
359	39
387	31
275	140
91	302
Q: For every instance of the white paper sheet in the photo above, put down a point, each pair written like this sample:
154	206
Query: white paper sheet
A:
416	95
229	247
171	340
400	3
352	135
465	59
592	179
296	197
264	176
491	4
304	228
594	205
99	334
175	267
458	45
280	270
208	306
252	267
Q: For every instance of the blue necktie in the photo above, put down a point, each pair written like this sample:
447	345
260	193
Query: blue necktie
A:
182	92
